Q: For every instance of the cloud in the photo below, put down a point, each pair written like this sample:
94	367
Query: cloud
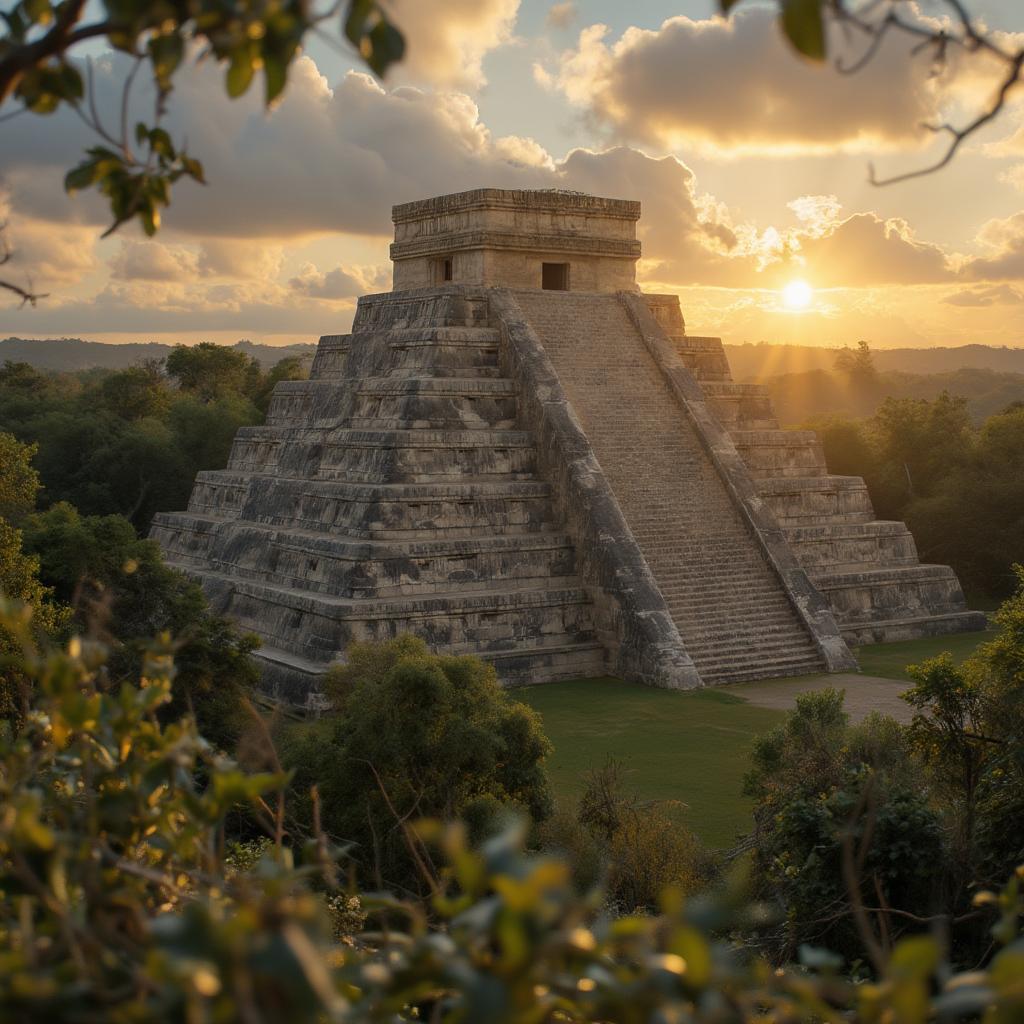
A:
447	40
339	283
866	250
561	15
45	256
241	259
735	86
152	261
996	295
1004	239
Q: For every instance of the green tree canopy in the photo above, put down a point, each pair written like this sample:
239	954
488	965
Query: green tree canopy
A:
414	734
212	371
19	482
122	591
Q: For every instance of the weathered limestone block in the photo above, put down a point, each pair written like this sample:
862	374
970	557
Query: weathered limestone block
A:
500	237
557	478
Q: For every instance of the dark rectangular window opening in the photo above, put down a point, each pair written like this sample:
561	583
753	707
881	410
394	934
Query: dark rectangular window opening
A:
443	269
555	277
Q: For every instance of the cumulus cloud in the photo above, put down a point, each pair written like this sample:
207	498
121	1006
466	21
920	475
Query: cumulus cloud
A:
561	15
339	283
865	250
1003	238
153	261
996	295
45	256
242	259
734	85
447	40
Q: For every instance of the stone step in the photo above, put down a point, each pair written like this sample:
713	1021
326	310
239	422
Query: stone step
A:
348	567
443	306
320	626
756	642
296	680
440	352
781	453
762	670
443	402
386	456
848	547
894	592
527	664
913	628
798	501
472	507
443	386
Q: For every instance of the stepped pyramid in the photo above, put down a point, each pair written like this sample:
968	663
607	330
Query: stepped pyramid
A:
518	455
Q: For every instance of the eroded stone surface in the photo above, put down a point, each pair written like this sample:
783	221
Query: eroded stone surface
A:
561	481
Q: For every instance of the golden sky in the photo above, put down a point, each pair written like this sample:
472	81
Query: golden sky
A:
751	166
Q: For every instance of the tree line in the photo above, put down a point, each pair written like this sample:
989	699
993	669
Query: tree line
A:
958	486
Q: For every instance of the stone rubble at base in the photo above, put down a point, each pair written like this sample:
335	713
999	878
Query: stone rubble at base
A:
516	455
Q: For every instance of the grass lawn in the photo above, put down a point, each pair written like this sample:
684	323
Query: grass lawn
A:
691	746
891	660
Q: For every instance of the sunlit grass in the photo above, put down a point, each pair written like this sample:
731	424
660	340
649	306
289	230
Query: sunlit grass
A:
691	746
891	660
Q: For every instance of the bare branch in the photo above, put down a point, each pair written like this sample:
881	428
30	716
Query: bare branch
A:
27	296
962	33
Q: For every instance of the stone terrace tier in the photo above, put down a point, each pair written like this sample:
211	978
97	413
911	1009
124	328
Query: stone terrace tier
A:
867	569
515	455
393	492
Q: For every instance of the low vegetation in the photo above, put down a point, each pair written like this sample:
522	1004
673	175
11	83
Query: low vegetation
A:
146	874
416	735
124	897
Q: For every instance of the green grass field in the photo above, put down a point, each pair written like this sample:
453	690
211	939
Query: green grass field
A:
692	747
890	660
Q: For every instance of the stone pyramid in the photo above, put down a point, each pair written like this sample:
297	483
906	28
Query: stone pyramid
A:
516	454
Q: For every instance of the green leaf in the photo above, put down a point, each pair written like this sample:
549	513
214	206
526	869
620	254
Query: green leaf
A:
81	176
39	11
804	26
387	45
916	957
166	53
240	72
160	143
194	169
275	75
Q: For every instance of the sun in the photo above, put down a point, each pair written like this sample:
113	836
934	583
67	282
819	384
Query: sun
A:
797	295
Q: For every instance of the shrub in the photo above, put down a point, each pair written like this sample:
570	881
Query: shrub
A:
119	903
412	735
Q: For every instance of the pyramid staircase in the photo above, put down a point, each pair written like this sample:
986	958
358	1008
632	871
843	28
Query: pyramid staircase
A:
393	491
730	608
867	569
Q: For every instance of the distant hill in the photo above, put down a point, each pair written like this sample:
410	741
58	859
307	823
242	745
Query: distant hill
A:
68	355
751	362
800	396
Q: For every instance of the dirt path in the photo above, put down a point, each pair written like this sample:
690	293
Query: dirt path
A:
864	694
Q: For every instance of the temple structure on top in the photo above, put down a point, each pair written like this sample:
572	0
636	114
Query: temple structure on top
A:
516	454
559	241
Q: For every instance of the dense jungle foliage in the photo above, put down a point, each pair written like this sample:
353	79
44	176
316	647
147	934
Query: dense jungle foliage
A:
126	895
144	874
130	442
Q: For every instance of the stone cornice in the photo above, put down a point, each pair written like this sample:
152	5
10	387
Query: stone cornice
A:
548	200
578	244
